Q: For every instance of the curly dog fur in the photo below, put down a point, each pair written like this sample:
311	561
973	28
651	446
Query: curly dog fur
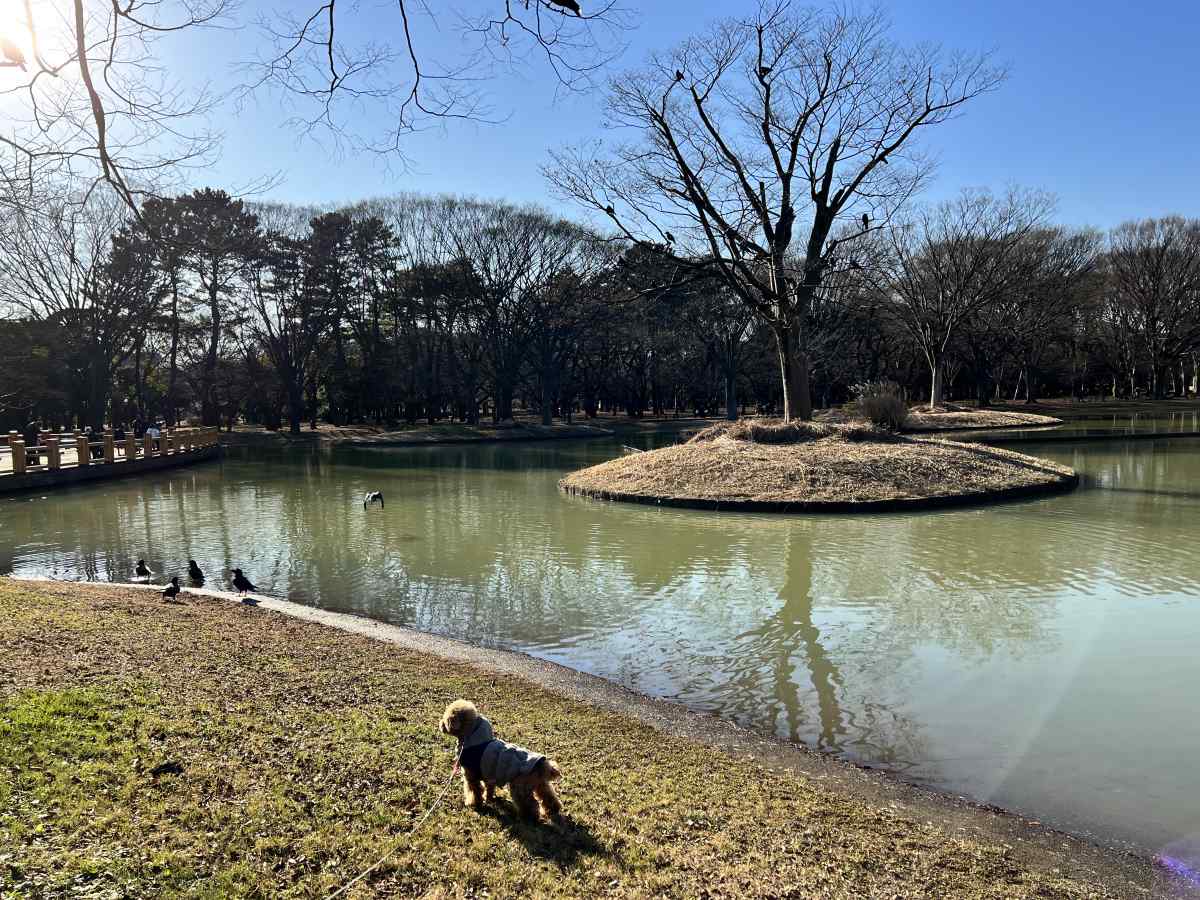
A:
533	793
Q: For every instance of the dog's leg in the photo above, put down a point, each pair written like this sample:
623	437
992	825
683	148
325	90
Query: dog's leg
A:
489	791
544	791
472	791
527	805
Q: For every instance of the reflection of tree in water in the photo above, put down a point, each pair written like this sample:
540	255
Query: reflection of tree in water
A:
778	663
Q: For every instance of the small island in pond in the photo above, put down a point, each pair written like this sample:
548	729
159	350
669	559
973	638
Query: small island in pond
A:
808	467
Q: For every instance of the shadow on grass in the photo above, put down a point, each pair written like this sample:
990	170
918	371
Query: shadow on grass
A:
562	844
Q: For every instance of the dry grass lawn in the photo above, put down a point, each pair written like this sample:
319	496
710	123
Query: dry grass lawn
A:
805	463
214	750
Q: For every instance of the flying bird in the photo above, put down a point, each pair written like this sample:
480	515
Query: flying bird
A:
241	582
569	4
12	54
373	497
194	572
141	569
171	591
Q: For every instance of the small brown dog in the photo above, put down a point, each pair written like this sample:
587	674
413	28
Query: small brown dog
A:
489	763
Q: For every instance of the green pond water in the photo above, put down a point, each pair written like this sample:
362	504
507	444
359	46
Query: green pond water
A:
1043	656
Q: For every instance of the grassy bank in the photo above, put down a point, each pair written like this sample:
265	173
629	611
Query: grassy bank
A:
215	750
806	464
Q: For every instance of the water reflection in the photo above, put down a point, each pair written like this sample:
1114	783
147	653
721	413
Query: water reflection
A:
1034	654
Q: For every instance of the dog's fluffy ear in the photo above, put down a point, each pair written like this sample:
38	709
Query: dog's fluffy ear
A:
459	717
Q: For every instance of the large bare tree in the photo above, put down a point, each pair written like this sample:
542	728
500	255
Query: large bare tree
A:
756	144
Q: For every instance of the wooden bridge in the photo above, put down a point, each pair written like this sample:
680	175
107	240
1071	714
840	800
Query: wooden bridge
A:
71	457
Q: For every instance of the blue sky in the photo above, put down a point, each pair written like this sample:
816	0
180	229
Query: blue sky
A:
1102	109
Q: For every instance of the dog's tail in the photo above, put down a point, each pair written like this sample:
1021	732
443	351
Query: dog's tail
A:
551	769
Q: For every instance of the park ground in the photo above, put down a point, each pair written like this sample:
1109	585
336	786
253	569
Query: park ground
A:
213	749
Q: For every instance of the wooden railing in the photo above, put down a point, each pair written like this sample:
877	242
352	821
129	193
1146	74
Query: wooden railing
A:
47	454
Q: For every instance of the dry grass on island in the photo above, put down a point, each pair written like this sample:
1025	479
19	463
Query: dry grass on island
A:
953	418
757	464
944	418
214	750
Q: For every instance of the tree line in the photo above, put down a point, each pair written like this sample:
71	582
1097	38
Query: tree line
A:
413	308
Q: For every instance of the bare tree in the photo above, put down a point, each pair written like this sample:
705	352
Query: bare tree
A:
91	101
314	64
757	139
1154	269
74	265
1041	313
953	259
292	305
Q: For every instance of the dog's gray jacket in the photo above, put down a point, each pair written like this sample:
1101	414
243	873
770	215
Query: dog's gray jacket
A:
500	761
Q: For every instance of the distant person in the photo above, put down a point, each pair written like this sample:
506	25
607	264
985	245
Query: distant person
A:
154	434
31	441
119	437
93	452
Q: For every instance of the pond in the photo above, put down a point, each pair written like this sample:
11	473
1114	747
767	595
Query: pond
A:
1041	655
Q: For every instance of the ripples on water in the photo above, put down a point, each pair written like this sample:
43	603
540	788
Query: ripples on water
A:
1039	655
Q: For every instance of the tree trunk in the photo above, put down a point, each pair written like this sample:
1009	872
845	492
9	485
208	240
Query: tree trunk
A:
295	407
1030	392
731	406
172	375
937	382
504	403
793	371
984	388
209	412
1158	383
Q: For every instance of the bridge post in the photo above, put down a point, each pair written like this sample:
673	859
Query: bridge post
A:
18	456
53	453
110	447
83	452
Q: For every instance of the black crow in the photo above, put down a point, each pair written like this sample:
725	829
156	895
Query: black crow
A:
171	591
194	572
241	582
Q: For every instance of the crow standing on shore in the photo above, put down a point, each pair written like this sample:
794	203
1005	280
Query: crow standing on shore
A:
241	582
171	591
141	570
